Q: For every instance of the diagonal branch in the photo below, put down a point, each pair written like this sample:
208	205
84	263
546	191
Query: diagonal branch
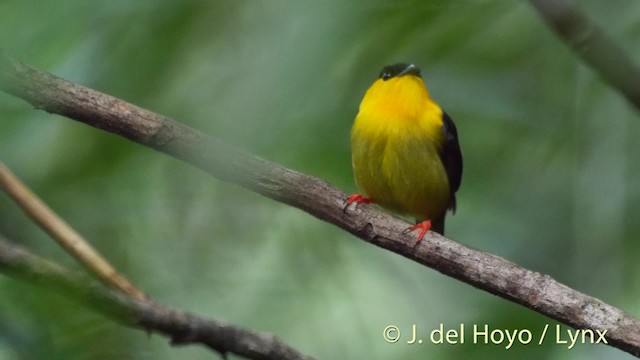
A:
485	271
65	235
593	45
182	328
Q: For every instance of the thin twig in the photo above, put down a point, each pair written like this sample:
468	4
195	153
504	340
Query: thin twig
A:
64	234
181	327
485	271
596	48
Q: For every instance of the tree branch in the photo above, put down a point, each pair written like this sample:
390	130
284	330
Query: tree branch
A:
485	271
181	327
65	235
593	45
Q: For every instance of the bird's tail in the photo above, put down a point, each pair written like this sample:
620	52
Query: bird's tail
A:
437	224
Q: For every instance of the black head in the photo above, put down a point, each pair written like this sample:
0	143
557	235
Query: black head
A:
397	70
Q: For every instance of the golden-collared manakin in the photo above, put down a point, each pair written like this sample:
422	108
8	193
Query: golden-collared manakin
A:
405	151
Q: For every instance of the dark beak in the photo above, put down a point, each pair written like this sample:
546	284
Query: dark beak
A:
407	70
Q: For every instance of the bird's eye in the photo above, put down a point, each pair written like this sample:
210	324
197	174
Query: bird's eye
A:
385	76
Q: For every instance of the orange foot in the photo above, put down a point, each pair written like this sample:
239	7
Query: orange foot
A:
423	226
358	199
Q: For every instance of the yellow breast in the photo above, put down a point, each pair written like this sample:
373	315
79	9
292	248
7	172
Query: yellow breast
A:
395	140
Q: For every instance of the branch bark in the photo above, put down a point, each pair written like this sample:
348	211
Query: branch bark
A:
485	271
591	43
181	327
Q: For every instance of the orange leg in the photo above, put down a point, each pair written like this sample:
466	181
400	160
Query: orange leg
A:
358	199
423	226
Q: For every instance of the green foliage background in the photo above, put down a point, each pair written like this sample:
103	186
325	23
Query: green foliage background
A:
551	177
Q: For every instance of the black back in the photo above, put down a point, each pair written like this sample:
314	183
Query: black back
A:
451	158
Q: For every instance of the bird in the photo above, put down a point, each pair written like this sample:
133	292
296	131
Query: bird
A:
405	151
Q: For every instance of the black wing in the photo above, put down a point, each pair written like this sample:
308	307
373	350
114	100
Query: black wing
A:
451	157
